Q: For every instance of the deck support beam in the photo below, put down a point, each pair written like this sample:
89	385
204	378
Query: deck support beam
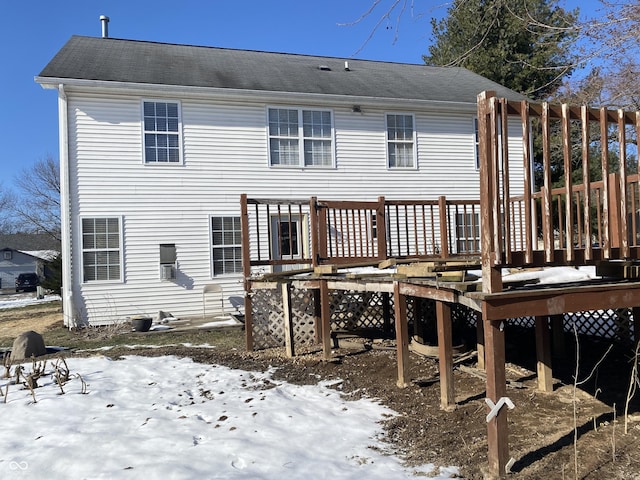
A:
543	354
497	428
402	335
445	356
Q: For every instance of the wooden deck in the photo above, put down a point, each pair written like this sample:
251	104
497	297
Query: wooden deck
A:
300	245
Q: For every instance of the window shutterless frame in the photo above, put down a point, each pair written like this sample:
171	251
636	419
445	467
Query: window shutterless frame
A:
300	137
226	244
161	132
101	243
401	140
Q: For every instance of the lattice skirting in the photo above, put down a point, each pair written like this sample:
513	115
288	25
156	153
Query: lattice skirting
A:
615	324
354	311
349	311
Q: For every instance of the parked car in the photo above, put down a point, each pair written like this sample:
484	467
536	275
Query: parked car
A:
27	281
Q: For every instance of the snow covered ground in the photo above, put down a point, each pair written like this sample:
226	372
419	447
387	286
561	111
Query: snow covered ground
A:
24	299
172	418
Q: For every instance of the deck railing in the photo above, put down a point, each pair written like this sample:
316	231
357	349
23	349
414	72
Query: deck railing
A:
282	234
592	216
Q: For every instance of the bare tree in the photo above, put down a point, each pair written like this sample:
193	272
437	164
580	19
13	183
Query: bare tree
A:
35	205
610	50
6	218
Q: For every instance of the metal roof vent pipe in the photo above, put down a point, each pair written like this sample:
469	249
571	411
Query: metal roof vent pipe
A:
105	26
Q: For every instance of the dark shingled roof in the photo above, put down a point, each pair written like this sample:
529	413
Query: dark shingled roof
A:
110	59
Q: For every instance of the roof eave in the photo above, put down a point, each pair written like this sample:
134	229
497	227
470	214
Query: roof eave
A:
244	94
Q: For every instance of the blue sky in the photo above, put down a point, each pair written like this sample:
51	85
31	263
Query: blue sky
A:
31	32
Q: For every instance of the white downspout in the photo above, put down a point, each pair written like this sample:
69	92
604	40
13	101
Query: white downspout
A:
65	210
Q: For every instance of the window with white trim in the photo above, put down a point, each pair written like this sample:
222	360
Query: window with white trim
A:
101	247
161	132
226	244
8	255
300	138
401	149
468	232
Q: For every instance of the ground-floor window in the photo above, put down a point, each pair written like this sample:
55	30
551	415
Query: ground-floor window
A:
226	245
101	247
468	232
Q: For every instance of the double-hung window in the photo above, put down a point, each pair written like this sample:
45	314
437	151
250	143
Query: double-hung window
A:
300	138
161	132
468	232
226	245
101	247
401	141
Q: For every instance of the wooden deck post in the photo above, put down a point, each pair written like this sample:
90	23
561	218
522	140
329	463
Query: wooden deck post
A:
246	271
325	313
381	227
497	428
445	356
402	335
444	234
480	341
315	230
285	288
543	354
248	321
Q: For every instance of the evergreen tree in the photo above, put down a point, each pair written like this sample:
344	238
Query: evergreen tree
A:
521	44
53	275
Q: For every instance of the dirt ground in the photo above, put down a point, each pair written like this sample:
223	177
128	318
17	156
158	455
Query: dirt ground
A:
542	427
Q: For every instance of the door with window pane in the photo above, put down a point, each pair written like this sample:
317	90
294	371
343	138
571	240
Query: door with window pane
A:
286	238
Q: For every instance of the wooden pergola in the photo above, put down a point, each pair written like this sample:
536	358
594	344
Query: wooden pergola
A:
579	223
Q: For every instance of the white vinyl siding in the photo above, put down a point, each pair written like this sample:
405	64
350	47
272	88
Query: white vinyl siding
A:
226	245
401	141
101	247
161	130
224	142
300	138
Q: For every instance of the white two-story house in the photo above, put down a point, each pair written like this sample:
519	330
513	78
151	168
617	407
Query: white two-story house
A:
158	142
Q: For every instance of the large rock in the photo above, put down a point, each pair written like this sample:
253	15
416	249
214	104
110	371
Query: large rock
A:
27	344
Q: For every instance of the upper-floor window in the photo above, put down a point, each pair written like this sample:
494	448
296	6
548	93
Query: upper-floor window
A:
401	140
300	138
161	132
101	247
